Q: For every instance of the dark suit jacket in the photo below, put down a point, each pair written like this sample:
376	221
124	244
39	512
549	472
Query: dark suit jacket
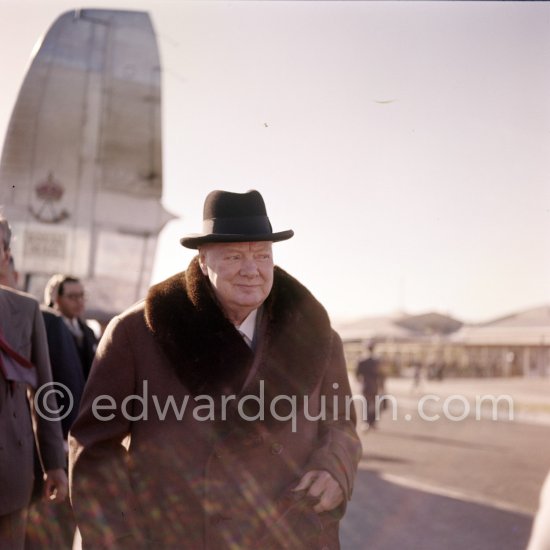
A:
23	328
87	350
66	363
368	370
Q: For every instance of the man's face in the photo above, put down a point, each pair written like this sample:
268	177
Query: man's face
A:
71	302
240	273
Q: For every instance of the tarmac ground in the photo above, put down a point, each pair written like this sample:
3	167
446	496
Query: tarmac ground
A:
453	464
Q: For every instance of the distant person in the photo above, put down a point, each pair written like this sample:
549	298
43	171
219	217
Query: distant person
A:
417	378
540	535
65	294
24	365
369	373
233	327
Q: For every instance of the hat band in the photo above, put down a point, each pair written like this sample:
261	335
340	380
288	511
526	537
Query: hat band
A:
246	225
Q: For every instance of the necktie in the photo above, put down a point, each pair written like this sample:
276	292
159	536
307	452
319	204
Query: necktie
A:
75	329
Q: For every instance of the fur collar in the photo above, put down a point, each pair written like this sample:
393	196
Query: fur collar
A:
210	356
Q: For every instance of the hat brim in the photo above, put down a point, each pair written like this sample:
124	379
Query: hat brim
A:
194	241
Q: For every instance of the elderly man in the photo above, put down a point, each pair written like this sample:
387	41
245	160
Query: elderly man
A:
215	414
24	364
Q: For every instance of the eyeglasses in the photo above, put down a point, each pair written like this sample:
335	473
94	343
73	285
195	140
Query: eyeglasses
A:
74	296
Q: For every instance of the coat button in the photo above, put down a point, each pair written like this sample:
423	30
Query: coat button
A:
276	448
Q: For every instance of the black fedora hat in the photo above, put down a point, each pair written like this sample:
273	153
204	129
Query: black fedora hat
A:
234	217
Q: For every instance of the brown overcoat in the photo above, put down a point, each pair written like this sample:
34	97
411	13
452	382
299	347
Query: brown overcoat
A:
188	439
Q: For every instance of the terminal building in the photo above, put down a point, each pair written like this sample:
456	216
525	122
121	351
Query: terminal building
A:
440	346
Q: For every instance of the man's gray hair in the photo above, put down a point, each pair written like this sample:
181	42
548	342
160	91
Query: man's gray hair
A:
6	231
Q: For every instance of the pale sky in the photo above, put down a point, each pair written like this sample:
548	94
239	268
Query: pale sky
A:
406	143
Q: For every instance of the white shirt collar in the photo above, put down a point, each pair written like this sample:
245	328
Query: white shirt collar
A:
73	326
248	326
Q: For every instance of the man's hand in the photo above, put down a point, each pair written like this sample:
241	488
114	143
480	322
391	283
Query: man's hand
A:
56	485
321	485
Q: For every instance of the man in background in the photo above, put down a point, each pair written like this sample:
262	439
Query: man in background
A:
24	364
65	294
370	374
